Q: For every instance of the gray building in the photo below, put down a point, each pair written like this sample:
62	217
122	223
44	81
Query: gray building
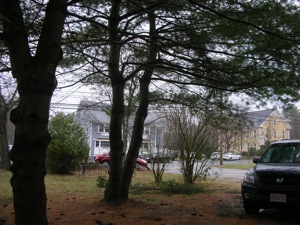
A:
94	118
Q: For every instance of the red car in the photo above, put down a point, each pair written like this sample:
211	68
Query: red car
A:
104	159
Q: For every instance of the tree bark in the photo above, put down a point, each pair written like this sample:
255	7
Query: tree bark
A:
113	190
36	83
120	176
142	112
5	162
5	107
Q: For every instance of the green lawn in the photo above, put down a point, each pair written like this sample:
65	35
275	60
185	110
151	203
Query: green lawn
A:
5	188
238	166
60	185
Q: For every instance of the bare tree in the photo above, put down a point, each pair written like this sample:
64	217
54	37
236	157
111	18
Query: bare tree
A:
159	157
193	129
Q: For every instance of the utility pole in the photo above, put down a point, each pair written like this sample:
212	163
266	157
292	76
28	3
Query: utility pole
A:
221	149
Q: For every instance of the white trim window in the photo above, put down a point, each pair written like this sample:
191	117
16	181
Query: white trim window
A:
248	134
103	129
146	130
283	134
254	133
105	144
275	134
275	121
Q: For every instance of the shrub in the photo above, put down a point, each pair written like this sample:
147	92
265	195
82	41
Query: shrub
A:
252	151
102	182
68	146
181	188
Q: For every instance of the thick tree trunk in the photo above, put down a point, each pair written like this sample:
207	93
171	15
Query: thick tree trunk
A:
28	156
142	112
113	190
5	161
137	137
36	83
120	177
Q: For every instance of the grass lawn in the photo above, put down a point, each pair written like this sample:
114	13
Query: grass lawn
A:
58	186
238	166
76	201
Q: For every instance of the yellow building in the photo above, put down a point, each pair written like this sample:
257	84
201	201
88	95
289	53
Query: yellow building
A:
261	127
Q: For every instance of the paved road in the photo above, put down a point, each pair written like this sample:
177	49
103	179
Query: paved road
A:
232	173
174	167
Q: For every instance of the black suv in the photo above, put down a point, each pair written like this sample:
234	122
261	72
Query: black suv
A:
274	182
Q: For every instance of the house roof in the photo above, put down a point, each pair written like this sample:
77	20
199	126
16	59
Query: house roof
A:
93	112
256	118
99	113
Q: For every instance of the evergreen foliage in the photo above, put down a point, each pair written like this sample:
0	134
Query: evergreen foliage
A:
68	146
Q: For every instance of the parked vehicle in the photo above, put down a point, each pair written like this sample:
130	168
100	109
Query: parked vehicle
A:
175	153
215	155
159	158
274	181
231	156
104	159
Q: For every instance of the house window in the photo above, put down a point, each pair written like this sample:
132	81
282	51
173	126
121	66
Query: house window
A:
275	134
283	134
105	144
103	129
145	146
247	134
146	130
267	134
275	121
97	144
248	146
254	146
254	133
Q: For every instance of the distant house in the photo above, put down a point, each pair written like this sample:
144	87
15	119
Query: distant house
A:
94	118
261	127
95	123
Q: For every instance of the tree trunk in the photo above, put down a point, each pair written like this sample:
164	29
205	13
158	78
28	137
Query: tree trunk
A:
36	83
5	107
5	161
113	190
138	127
120	177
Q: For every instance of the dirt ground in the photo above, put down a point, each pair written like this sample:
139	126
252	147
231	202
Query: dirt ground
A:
153	207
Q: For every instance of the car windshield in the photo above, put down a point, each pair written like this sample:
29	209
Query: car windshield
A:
282	153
